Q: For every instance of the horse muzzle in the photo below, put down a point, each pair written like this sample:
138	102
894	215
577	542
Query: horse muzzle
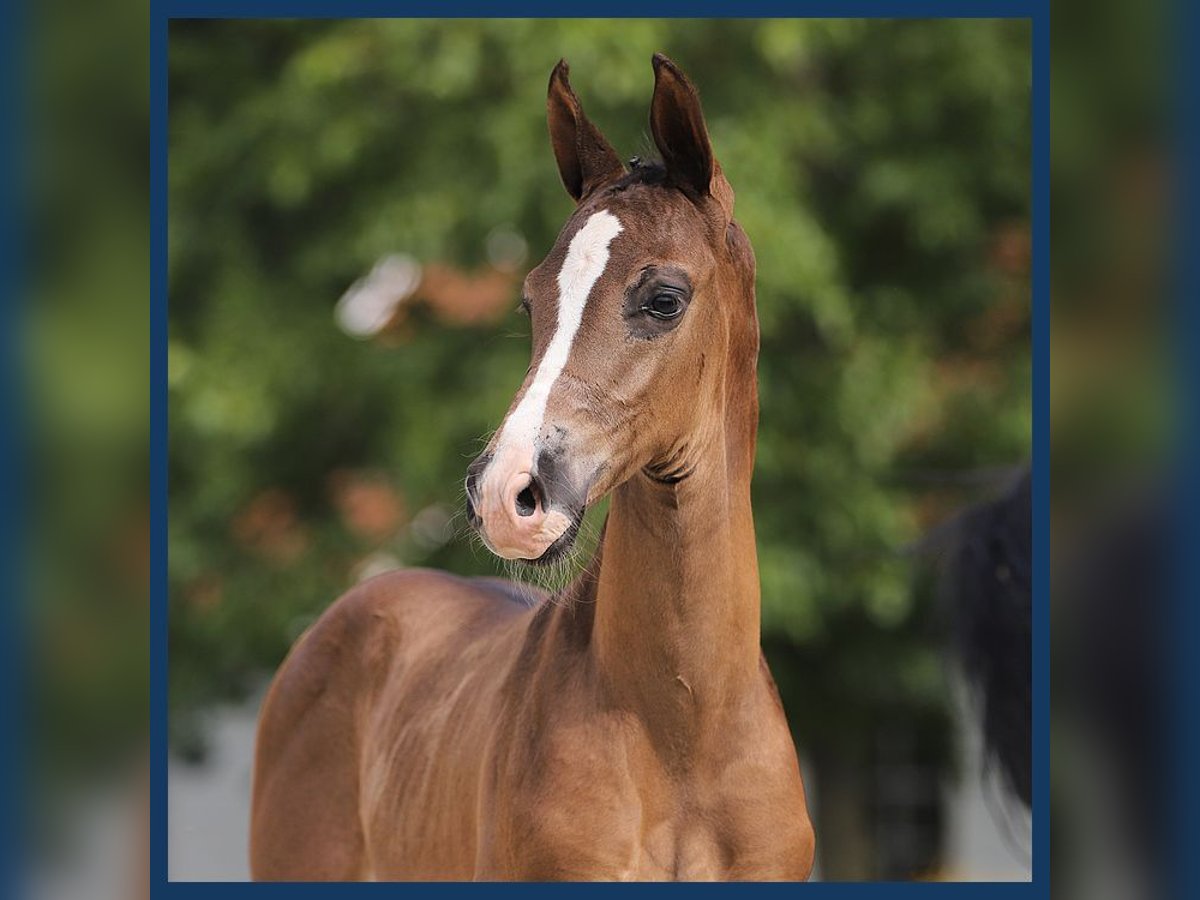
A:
523	505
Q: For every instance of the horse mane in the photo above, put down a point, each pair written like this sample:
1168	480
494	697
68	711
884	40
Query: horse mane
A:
988	583
640	172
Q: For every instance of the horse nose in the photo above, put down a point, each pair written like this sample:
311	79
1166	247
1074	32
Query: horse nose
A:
529	498
525	502
508	505
524	496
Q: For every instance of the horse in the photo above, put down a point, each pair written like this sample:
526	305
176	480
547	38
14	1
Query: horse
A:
433	727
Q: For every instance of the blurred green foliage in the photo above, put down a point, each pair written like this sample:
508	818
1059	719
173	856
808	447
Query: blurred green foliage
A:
881	171
84	362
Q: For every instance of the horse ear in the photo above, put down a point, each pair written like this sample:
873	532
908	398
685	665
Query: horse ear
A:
677	123
585	158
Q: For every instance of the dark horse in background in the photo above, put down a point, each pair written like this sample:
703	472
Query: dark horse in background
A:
1108	589
987	584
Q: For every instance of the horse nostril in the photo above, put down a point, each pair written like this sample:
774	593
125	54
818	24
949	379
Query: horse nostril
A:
527	500
473	473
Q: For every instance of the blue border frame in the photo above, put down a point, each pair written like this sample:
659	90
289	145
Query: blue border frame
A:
13	621
1037	11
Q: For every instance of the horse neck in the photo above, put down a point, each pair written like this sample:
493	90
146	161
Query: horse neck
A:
675	634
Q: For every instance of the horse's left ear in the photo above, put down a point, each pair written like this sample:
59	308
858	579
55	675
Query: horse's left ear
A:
677	123
585	157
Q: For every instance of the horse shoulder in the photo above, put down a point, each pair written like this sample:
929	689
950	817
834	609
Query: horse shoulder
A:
760	799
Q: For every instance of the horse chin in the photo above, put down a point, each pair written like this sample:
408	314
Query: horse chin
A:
562	544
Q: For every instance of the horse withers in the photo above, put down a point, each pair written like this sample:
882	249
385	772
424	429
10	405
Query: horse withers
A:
429	727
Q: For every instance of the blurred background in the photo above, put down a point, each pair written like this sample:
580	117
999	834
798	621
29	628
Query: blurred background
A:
352	207
892	128
881	171
1120	789
82	351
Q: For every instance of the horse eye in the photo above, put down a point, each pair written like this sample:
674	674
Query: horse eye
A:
664	306
523	306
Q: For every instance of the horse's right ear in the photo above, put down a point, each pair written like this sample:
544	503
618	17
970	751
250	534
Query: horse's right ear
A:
681	136
585	158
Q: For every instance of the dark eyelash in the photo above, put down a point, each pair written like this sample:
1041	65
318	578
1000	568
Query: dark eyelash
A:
523	306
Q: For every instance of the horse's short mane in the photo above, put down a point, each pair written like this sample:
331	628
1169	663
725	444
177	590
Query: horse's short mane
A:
641	171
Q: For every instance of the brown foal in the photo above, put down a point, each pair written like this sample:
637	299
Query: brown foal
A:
435	727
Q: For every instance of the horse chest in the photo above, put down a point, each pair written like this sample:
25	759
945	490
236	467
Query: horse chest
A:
683	849
729	839
602	794
610	822
692	846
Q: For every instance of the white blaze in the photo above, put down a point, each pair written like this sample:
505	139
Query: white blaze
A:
587	257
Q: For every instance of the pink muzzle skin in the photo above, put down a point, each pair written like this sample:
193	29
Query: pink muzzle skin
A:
512	526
